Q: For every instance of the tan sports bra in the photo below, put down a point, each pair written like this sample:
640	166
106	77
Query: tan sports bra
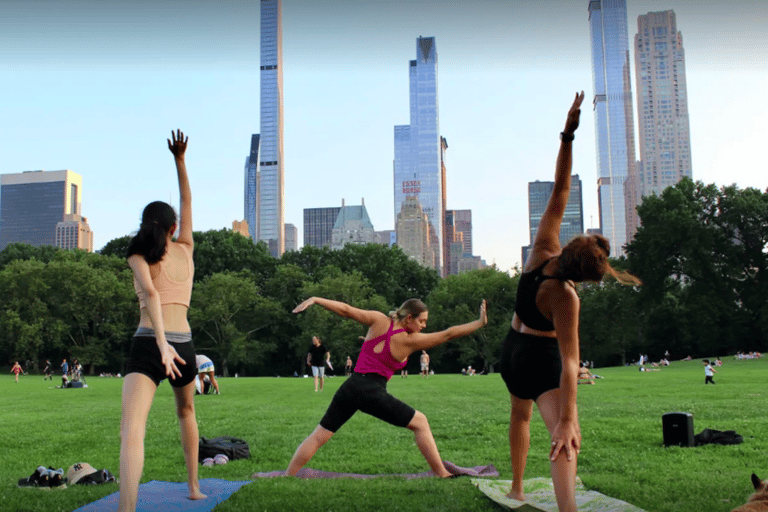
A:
171	292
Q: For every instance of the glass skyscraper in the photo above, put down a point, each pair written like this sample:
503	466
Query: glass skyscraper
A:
250	199
33	203
614	126
662	103
269	181
417	163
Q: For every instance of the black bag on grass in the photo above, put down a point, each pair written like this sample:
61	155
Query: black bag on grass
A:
232	447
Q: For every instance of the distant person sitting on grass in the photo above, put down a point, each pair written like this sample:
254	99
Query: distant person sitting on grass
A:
585	376
389	342
162	346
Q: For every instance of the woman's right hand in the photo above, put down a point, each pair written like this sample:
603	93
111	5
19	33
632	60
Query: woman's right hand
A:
304	305
169	357
483	313
572	122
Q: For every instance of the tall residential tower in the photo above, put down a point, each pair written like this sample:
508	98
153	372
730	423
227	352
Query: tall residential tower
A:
418	177
269	182
614	125
662	104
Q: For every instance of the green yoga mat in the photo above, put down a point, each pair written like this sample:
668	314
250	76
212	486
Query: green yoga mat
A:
540	497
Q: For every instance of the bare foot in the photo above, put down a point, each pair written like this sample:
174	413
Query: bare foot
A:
519	496
197	495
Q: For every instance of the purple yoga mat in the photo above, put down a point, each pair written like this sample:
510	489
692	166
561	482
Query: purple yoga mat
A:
476	471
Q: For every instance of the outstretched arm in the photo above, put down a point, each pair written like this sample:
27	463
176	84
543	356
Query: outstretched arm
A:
342	309
179	147
418	341
548	235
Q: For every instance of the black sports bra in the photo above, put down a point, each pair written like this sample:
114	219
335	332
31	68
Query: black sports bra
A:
525	306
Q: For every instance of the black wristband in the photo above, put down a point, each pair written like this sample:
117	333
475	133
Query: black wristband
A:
567	137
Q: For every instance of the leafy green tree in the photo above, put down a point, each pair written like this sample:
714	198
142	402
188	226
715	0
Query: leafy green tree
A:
229	318
21	251
117	247
455	300
707	248
227	251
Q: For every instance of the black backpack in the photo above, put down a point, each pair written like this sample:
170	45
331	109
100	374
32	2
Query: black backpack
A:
232	447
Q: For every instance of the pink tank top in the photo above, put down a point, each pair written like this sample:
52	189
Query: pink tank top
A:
171	292
382	363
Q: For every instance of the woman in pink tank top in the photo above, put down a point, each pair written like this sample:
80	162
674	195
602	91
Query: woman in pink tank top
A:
389	342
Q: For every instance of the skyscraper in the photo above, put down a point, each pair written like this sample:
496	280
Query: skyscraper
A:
614	126
270	210
412	227
33	203
291	238
418	149
73	232
662	104
352	227
318	225
251	189
572	224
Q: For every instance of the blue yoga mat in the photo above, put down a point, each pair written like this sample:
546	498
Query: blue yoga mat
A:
171	497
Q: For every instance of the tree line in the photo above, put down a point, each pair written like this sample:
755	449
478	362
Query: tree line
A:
701	254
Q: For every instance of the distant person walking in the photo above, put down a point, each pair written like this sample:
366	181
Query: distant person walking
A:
540	355
16	370
388	343
162	345
317	357
64	372
48	370
348	367
709	372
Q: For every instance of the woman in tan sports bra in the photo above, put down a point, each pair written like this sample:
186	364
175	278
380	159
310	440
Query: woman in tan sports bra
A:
162	345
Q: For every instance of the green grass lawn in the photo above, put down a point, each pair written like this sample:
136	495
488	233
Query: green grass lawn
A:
622	451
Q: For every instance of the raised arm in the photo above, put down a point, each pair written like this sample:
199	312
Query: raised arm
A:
342	309
178	146
418	341
548	235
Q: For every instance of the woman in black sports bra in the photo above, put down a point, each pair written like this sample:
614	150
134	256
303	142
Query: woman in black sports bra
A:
540	355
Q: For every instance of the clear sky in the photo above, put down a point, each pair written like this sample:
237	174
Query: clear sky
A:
96	87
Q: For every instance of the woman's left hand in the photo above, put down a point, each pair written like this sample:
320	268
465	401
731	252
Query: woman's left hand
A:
169	358
566	437
179	145
572	122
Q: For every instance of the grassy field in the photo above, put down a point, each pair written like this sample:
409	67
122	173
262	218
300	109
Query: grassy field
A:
622	453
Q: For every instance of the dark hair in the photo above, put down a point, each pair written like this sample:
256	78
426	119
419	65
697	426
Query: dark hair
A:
585	258
157	220
413	307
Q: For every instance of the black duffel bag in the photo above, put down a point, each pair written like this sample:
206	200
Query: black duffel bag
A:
232	447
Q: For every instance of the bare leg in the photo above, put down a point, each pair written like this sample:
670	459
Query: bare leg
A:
138	392
563	470
307	449
519	442
190	437
315	377
426	443
322	381
214	382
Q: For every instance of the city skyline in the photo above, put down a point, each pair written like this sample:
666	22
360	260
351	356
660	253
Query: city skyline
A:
96	88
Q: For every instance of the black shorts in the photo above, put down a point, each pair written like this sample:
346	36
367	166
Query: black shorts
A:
367	393
145	358
530	365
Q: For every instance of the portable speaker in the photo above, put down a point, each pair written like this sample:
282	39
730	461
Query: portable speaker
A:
678	429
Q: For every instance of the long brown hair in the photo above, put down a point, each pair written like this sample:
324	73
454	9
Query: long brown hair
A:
413	307
585	258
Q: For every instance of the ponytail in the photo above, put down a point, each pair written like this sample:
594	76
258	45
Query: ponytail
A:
585	258
412	307
157	220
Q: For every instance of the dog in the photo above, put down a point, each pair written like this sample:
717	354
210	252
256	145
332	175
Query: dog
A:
758	502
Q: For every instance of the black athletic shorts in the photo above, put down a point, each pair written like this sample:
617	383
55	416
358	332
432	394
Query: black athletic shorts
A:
530	365
367	393
145	358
